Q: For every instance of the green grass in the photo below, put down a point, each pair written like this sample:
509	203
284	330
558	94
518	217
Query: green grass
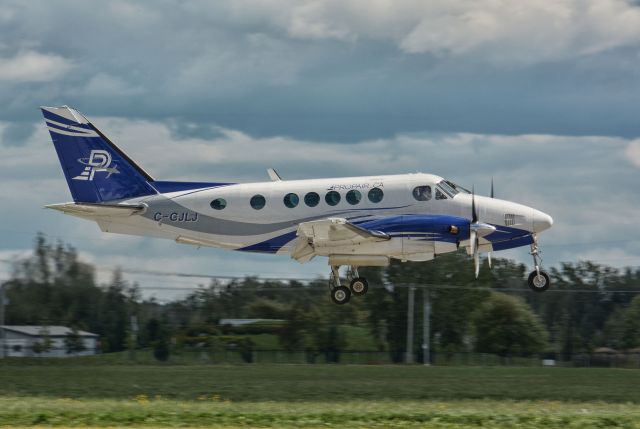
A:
321	382
351	396
213	412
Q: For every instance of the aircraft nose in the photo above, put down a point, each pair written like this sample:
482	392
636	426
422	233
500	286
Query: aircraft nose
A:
541	221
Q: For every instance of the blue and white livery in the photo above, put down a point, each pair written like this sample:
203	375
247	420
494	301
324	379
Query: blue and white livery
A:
353	221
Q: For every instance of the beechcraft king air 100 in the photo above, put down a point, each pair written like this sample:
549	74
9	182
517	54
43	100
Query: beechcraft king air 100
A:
354	221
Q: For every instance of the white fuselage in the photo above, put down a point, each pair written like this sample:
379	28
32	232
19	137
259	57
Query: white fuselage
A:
188	216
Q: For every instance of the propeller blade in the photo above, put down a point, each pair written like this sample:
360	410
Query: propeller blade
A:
473	241
489	259
474	214
492	195
476	260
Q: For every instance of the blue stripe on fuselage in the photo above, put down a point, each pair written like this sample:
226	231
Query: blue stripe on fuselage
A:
430	227
524	240
272	245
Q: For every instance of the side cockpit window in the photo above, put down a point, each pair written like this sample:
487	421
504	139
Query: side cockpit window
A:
422	193
440	195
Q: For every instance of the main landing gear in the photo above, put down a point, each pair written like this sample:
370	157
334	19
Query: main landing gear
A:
538	280
358	286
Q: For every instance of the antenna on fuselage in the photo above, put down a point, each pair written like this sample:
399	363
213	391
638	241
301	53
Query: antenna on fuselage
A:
273	175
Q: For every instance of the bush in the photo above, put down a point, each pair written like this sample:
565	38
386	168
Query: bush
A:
161	350
505	326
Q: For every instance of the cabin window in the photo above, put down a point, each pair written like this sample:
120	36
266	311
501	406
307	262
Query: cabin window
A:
375	195
291	200
312	199
257	202
447	188
332	198
422	193
218	204
440	195
457	188
354	197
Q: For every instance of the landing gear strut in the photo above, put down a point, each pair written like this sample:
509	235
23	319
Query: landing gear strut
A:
358	286
538	280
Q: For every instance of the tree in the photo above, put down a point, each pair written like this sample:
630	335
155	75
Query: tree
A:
161	350
455	294
576	321
505	325
45	344
331	342
623	327
159	338
73	342
52	287
113	315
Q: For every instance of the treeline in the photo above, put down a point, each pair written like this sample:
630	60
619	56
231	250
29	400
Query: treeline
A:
588	306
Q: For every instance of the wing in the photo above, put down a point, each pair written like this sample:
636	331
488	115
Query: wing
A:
331	232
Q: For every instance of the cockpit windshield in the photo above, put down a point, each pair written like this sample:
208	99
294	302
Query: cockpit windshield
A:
454	188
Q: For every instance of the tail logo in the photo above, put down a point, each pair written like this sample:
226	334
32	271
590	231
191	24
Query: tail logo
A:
99	160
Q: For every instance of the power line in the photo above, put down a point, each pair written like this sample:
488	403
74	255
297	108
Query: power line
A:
416	286
101	237
420	285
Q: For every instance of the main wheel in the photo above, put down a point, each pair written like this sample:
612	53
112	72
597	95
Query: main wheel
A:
359	286
539	283
340	295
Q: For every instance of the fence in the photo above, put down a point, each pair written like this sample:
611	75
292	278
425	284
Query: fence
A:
195	355
358	357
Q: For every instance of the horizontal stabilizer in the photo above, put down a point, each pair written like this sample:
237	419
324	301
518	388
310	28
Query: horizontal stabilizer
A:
203	242
98	210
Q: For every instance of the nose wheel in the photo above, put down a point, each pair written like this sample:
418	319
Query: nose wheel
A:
538	280
358	286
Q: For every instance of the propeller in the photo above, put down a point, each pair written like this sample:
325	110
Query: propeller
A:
492	196
477	230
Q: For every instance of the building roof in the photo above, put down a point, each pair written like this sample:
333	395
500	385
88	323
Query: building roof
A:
243	322
52	330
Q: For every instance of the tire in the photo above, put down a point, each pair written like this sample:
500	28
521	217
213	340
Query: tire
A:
538	283
359	286
340	295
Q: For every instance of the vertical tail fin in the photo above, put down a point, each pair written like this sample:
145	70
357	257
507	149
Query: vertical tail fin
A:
95	168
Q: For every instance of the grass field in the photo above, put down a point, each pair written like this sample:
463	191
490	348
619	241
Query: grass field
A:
317	396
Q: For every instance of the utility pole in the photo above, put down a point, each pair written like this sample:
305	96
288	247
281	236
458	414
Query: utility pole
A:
409	355
133	338
426	327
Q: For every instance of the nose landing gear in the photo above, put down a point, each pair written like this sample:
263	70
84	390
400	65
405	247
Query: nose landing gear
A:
538	280
358	286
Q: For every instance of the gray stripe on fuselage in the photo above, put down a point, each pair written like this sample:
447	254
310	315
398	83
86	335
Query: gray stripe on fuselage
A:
211	225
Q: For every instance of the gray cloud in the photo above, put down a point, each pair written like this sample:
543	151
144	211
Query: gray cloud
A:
31	66
336	70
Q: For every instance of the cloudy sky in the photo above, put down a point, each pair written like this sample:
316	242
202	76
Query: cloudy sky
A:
544	96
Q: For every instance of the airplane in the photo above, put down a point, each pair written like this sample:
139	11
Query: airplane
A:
352	221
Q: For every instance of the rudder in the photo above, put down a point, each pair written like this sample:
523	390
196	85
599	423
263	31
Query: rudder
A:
96	169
